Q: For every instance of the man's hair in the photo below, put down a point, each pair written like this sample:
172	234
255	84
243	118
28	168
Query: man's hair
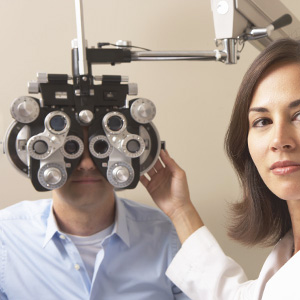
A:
260	217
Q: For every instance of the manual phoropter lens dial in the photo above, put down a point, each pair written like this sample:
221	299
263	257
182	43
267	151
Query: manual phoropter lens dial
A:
73	147
52	176
143	110
39	147
114	122
133	145
57	122
120	174
100	147
25	109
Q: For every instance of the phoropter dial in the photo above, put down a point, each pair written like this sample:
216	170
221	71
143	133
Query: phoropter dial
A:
73	147
100	147
114	122
133	145
143	110
52	176
25	109
120	174
57	122
39	147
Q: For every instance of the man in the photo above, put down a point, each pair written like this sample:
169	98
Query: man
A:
85	243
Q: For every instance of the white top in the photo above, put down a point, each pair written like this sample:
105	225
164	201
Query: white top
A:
202	271
89	247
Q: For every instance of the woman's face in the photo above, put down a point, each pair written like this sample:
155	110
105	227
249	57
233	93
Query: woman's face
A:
274	130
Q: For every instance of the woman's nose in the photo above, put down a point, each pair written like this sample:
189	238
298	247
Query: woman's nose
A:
283	138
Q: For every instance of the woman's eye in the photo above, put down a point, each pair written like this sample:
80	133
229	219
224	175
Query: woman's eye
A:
297	116
262	122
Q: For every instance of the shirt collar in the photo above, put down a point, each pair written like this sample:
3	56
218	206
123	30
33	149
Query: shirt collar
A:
52	227
120	228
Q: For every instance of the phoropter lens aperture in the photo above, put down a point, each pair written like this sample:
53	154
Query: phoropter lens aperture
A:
101	146
71	147
58	123
40	147
133	146
115	123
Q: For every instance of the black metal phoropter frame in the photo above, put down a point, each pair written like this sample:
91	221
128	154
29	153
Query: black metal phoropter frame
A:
45	142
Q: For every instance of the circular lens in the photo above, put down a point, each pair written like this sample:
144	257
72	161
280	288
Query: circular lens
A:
71	147
58	123
40	147
133	146
115	123
101	147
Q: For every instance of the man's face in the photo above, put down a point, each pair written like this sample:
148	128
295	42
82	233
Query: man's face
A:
86	185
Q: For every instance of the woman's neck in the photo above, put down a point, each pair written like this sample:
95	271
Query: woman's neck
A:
294	210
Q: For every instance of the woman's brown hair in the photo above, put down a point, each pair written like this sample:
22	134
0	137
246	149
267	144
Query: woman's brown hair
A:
261	217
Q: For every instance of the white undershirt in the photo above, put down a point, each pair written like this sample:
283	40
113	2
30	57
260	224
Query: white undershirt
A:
89	246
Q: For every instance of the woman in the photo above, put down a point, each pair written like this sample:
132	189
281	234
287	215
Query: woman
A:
263	143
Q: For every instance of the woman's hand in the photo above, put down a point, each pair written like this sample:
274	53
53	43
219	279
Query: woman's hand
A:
168	188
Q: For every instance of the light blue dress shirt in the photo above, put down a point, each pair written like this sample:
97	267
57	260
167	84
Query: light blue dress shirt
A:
39	262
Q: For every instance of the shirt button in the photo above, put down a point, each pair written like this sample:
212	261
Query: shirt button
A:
77	267
62	237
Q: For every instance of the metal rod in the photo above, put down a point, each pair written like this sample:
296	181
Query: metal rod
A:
82	62
177	55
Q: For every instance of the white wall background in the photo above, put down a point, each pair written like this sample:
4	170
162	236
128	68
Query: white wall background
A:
193	99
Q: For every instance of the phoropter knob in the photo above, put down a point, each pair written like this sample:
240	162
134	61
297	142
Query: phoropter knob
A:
120	174
52	176
143	110
25	109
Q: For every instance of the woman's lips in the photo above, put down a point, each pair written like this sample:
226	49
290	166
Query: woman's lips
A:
285	167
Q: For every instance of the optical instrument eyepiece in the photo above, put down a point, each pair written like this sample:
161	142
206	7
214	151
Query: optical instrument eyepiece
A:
73	147
40	147
114	122
133	145
57	122
100	147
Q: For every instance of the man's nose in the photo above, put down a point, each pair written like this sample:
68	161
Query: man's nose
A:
86	162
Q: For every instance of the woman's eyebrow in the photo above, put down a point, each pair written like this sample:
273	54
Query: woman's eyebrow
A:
259	109
294	104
